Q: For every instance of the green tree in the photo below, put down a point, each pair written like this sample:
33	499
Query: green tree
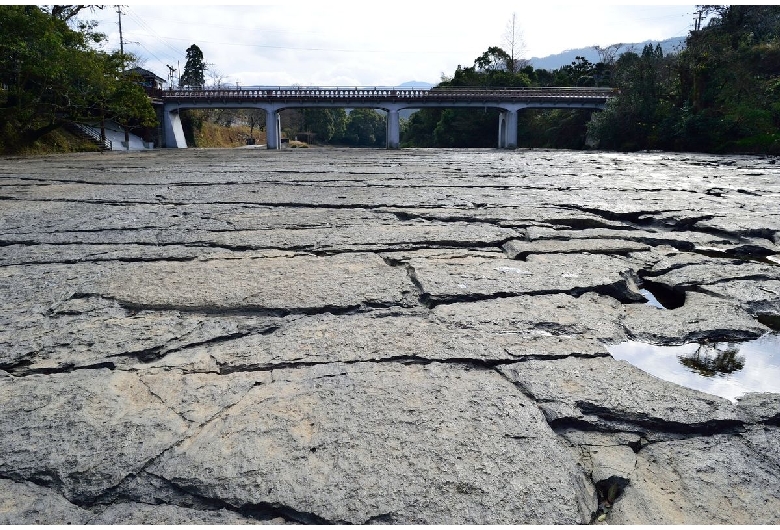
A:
466	127
194	74
50	74
365	127
129	106
727	76
494	58
325	124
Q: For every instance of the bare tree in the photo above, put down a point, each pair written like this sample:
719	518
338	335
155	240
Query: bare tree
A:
216	78
514	44
254	118
609	54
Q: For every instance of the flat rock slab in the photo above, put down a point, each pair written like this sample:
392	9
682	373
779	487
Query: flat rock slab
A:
95	331
587	317
24	503
286	283
371	336
522	249
380	336
681	482
701	318
458	279
366	443
600	391
82	433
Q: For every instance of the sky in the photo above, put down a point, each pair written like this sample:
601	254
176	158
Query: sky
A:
342	43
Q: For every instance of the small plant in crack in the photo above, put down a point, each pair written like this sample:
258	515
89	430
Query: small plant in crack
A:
608	491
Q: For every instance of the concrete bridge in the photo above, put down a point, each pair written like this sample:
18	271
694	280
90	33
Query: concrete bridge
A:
392	100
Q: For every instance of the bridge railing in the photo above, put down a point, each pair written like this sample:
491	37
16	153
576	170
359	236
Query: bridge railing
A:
386	94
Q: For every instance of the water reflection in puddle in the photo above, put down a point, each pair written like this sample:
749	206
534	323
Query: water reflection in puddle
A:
651	299
723	369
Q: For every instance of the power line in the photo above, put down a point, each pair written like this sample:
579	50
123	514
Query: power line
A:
269	46
143	23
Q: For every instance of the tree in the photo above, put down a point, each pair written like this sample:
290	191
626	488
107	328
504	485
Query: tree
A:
325	124
365	127
493	59
194	74
608	54
217	79
50	75
66	13
514	44
254	118
129	107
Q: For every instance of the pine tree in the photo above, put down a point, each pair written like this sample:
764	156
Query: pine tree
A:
194	68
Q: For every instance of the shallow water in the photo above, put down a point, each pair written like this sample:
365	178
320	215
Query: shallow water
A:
724	369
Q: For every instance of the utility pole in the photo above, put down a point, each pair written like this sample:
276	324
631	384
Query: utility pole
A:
171	69
697	21
121	40
122	59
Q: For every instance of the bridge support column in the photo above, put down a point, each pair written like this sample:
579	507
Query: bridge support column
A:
173	134
393	129
507	129
273	129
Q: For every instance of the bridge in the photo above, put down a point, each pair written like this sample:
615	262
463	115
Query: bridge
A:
392	100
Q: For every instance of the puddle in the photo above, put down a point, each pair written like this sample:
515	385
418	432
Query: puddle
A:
726	369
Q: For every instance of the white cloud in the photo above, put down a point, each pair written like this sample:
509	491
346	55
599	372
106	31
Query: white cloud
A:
367	43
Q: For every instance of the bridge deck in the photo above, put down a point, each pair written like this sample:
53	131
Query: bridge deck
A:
389	95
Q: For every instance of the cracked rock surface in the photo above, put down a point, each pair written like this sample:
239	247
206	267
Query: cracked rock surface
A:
360	336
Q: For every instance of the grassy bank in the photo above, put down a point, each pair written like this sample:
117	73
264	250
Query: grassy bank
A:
214	135
59	141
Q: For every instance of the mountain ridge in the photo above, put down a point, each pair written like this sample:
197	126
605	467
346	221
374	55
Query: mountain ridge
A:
557	60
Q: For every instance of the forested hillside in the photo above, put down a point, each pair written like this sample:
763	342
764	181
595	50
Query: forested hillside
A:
721	94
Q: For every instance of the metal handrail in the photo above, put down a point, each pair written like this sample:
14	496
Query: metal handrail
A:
94	133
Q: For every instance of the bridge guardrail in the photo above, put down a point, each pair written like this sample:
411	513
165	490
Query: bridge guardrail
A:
387	94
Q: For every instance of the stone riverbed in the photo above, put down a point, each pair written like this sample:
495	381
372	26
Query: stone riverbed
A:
370	336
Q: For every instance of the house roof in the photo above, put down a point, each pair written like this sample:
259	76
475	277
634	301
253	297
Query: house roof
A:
146	74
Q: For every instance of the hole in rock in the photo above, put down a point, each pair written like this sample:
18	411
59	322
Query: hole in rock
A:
651	300
754	253
770	321
663	296
726	369
608	491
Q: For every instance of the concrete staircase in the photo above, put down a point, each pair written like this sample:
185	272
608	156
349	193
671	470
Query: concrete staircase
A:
90	134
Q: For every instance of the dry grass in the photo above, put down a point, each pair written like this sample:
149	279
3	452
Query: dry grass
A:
59	141
213	135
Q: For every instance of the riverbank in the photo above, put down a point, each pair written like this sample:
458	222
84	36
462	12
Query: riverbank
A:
361	336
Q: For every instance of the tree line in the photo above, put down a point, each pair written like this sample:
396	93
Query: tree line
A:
720	94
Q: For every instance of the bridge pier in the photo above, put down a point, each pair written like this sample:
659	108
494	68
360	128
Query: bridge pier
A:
507	129
173	134
393	129
273	129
